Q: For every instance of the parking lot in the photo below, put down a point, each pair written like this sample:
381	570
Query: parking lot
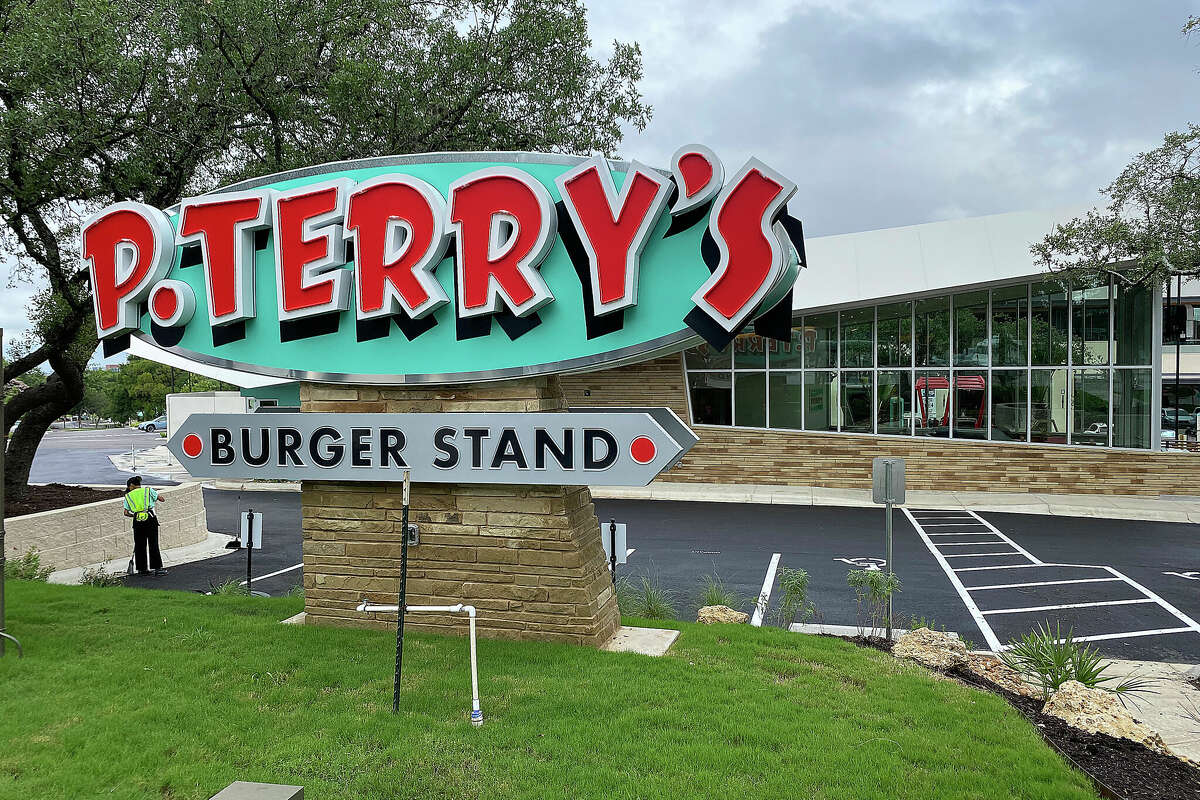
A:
1132	589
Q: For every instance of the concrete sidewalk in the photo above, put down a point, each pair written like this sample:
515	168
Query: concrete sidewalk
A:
1105	506
212	546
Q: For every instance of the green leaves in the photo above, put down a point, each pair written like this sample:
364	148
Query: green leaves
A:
1150	229
1052	659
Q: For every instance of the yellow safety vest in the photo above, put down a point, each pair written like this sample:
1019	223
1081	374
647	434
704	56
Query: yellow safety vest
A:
139	504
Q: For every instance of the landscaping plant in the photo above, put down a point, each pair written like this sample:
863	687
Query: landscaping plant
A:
232	586
648	600
27	567
793	604
872	589
101	577
1051	659
715	593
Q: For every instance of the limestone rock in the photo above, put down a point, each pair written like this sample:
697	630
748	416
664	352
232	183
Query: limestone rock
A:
1098	711
931	648
711	615
996	671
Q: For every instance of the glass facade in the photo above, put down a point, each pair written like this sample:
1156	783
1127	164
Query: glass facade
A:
1035	362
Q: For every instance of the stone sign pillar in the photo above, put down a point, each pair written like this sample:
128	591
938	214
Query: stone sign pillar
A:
529	558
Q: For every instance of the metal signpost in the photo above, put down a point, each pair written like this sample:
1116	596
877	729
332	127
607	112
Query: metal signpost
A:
402	598
251	539
887	487
613	536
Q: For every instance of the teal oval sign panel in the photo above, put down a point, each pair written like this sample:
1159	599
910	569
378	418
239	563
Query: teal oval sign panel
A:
447	268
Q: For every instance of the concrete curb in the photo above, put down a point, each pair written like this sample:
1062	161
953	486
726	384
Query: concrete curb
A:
1094	506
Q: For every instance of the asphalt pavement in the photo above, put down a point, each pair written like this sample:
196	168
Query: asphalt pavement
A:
81	457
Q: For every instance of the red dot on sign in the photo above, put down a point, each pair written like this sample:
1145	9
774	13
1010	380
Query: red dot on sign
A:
165	303
642	449
192	445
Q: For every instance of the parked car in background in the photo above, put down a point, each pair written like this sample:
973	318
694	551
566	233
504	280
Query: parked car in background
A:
1178	419
155	425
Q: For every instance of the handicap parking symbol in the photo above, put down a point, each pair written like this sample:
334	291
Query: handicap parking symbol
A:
869	564
1191	576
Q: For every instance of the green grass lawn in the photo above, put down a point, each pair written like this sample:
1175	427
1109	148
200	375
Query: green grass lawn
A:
127	693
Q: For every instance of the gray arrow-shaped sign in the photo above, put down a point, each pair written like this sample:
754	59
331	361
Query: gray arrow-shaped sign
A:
597	447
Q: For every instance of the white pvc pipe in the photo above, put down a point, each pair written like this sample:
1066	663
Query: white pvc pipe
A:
459	608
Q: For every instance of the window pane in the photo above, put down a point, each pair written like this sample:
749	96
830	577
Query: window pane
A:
1010	317
1089	325
1009	411
785	399
749	352
1090	407
1131	407
895	335
933	332
820	401
970	329
1133	315
895	394
970	405
820	340
857	326
1049	319
932	409
750	399
1048	400
705	356
856	402
787	355
712	401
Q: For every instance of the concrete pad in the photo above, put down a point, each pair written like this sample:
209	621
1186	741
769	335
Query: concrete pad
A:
295	619
647	641
1167	710
826	496
244	790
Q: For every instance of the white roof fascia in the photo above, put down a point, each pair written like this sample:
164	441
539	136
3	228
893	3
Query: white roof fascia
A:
932	258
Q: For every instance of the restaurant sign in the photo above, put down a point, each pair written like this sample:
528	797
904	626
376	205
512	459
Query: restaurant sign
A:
449	267
596	447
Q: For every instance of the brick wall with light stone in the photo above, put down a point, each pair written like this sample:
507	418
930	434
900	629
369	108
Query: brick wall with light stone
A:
529	558
752	456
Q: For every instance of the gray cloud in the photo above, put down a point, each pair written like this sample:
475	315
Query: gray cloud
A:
893	113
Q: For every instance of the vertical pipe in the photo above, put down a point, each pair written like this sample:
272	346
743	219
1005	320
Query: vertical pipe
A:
402	594
476	711
1179	334
249	550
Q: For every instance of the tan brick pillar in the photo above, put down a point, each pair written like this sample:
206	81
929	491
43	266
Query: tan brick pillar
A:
529	558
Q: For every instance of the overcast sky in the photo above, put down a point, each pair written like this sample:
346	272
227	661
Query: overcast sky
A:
892	112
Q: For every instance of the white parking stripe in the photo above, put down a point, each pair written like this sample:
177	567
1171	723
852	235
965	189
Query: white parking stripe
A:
1039	583
1070	605
273	574
988	634
1149	597
760	608
980	555
963	524
964	533
1129	635
964	544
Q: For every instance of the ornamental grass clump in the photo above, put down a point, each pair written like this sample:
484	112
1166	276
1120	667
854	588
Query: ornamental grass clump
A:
649	600
716	593
1050	659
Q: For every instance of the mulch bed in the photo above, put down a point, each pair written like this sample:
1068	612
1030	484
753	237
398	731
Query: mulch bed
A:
1120	769
54	496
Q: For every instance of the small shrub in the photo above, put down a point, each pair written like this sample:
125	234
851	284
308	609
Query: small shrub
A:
101	577
872	590
296	591
915	622
1051	659
648	600
229	587
27	567
715	593
793	604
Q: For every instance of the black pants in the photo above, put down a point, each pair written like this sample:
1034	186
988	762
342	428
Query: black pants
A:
145	537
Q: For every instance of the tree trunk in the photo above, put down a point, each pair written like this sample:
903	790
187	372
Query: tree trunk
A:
36	408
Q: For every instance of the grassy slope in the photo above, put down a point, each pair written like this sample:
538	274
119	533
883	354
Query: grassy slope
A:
128	693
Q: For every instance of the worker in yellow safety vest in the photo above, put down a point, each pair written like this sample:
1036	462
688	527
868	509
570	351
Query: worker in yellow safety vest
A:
139	504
